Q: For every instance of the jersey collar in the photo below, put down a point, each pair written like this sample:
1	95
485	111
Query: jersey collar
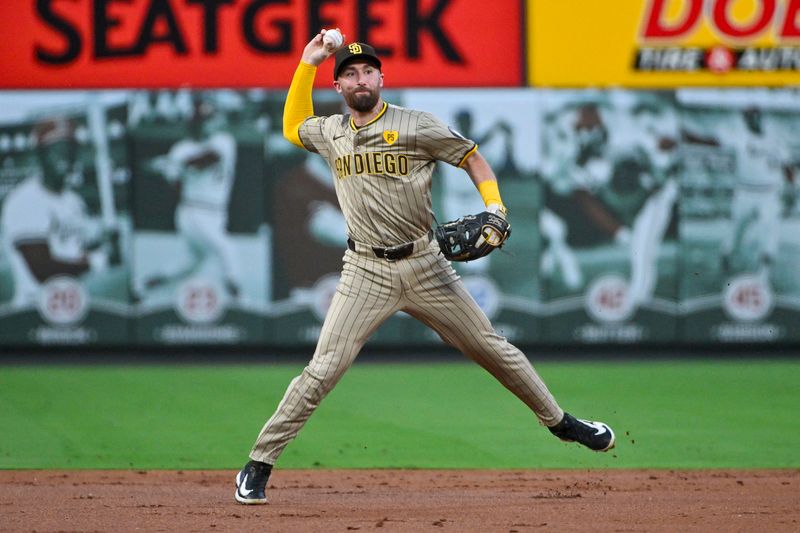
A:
379	115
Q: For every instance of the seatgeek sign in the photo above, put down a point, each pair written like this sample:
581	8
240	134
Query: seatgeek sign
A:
251	43
664	43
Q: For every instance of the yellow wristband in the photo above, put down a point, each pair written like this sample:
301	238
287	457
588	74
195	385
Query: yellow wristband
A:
489	192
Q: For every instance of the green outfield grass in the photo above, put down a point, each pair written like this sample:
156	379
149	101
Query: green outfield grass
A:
682	414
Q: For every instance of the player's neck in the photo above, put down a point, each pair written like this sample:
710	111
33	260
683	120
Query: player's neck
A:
362	117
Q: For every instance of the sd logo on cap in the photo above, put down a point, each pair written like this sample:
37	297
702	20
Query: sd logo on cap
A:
352	52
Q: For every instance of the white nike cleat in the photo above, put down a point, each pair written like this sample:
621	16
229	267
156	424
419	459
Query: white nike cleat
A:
251	483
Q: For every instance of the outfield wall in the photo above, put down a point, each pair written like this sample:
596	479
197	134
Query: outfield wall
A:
637	218
644	209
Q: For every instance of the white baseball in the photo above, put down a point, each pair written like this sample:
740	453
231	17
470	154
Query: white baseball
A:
333	39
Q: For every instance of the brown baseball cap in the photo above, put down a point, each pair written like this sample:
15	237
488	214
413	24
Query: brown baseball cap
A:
354	51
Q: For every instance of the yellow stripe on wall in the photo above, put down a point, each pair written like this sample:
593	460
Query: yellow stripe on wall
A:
585	43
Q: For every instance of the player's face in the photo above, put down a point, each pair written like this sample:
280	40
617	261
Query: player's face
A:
360	84
57	160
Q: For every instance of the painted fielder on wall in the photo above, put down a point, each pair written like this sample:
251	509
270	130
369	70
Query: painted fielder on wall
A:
46	230
738	226
609	186
202	167
382	159
763	170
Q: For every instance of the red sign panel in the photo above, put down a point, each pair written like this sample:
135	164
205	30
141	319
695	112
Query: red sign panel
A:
252	43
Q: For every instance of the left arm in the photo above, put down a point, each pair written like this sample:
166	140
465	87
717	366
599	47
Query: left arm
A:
444	144
484	179
475	236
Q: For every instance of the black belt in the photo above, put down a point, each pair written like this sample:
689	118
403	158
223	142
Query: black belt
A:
395	252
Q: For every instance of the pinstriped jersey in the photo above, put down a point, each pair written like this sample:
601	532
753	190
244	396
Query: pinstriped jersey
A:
382	170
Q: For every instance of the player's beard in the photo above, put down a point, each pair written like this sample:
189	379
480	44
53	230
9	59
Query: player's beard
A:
362	102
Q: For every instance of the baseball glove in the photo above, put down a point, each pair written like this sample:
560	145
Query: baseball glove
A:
472	236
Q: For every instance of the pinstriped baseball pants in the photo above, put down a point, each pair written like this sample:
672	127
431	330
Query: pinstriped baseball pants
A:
370	290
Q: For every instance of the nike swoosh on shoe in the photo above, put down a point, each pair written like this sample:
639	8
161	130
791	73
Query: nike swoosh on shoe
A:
243	490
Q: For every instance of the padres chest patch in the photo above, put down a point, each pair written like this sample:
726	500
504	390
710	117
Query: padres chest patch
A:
390	136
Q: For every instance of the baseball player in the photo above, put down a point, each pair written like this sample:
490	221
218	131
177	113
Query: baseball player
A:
577	169
657	133
763	167
45	227
381	158
202	166
610	186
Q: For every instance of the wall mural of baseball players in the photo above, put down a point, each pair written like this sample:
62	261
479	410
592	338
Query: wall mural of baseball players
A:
611	176
740	226
631	210
202	238
64	222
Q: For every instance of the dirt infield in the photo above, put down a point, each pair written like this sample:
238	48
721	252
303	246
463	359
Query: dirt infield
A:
404	500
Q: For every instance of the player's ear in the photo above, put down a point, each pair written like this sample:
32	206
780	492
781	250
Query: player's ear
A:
337	86
380	83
